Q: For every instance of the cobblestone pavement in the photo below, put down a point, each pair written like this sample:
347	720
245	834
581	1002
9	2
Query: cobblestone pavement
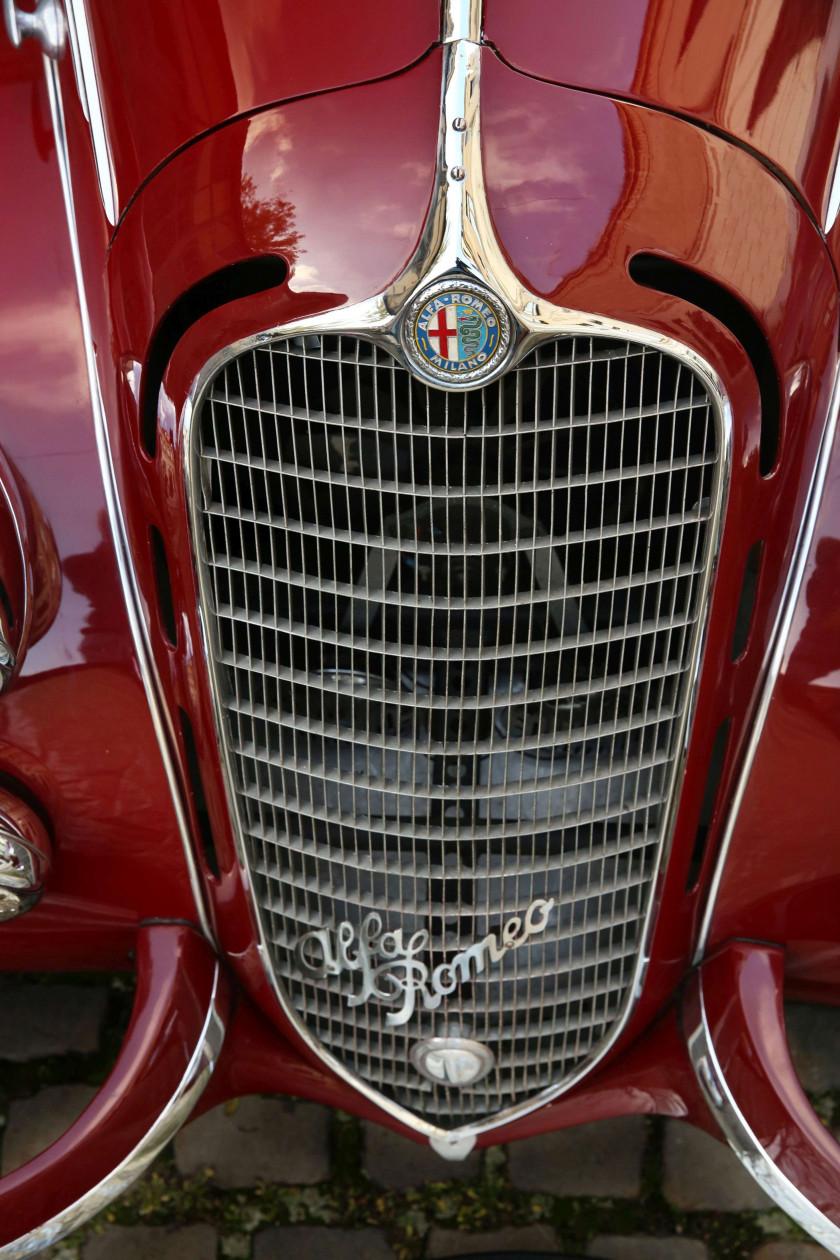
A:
272	1178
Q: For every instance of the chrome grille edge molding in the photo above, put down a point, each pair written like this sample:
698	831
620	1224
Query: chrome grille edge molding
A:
581	816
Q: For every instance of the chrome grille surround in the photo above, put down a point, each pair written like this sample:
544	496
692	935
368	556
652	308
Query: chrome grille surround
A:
288	623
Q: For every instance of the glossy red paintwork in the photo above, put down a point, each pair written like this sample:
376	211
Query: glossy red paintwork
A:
577	184
765	71
169	72
175	976
75	731
742	991
653	1077
252	189
782	878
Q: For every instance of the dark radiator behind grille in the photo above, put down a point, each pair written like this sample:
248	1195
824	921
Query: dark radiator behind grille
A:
454	640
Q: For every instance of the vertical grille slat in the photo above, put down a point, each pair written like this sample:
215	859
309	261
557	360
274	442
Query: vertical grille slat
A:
453	641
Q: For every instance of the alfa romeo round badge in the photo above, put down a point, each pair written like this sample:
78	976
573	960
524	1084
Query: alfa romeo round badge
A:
456	333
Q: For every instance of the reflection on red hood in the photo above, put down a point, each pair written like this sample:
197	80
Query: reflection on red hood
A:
170	71
764	71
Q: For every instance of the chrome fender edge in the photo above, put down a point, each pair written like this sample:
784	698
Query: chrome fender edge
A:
733	1021
170	1050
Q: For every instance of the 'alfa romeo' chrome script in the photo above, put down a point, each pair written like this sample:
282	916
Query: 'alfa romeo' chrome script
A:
402	976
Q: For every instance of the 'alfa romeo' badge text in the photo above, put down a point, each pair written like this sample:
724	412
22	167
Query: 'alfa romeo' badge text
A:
401	976
456	332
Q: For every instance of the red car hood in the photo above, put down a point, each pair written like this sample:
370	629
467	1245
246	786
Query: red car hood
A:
168	73
765	72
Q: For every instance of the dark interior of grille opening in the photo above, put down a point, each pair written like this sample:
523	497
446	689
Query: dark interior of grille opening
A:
454	634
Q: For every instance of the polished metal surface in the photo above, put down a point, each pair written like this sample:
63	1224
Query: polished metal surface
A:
454	637
164	1128
19	866
158	708
87	82
462	20
8	661
455	1061
46	24
12	904
832	204
778	645
744	1141
401	974
23	871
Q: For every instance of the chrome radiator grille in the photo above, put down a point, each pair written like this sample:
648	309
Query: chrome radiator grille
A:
453	641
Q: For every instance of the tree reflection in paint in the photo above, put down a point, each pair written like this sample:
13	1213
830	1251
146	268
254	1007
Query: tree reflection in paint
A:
269	223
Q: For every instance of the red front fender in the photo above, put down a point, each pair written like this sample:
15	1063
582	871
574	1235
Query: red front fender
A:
170	1049
734	1026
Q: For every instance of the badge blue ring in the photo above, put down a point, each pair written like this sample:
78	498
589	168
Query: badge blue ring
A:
456	333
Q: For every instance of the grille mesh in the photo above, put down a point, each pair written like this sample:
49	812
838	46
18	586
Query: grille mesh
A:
453	638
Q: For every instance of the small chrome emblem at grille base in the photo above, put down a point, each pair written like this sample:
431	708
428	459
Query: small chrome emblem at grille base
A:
456	332
402	977
454	1061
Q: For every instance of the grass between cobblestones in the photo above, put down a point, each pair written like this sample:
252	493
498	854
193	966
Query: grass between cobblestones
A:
350	1200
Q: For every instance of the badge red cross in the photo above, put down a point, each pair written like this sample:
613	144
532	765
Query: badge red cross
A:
444	329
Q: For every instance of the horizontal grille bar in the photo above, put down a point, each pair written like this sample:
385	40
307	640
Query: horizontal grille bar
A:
389	695
493	546
602	477
312	415
364	860
530	744
405	599
423	831
462	652
442	791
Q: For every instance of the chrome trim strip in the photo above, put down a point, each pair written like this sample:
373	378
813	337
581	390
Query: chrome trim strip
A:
832	206
458	235
778	640
158	708
833	200
170	1120
744	1142
87	82
462	20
